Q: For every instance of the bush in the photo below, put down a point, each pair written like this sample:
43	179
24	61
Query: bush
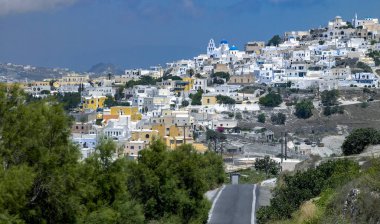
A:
196	99
274	41
360	138
304	109
302	186
238	116
327	111
329	98
364	67
271	100
223	75
185	103
278	119
225	99
261	118
268	165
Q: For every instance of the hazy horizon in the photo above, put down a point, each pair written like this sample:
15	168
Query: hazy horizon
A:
78	34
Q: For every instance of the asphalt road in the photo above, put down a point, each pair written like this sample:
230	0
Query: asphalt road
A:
233	205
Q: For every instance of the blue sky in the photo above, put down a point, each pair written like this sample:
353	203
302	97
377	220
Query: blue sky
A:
77	34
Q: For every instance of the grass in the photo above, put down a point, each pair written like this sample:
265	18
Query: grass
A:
250	176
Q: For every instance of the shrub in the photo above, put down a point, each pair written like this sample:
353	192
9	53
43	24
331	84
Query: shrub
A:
302	186
278	119
329	98
185	103
304	109
271	100
238	116
360	138
261	118
225	99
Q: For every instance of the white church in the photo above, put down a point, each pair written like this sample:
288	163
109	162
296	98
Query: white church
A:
224	53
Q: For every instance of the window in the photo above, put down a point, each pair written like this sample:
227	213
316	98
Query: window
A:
147	136
132	147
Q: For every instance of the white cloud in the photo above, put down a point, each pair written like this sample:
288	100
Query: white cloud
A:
21	6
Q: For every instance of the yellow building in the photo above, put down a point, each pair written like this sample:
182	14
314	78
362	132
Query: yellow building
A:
126	110
93	102
190	84
209	99
174	142
145	135
161	129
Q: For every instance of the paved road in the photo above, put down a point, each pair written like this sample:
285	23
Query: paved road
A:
233	205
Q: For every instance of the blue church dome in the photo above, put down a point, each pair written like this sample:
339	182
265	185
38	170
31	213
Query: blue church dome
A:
233	48
223	42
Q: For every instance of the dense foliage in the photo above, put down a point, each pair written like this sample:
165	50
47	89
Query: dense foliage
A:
271	100
364	67
43	181
304	109
375	55
295	189
238	116
327	111
261	118
222	75
196	99
329	97
354	200
268	165
185	103
274	41
358	139
69	100
278	119
111	102
225	99
144	80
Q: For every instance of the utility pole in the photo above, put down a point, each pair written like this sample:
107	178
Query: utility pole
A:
282	146
184	131
286	146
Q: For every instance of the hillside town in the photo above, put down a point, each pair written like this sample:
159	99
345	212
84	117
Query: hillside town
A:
213	100
284	130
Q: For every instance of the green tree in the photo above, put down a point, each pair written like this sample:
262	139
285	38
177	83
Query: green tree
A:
329	97
278	119
225	99
223	75
69	100
298	187
111	102
196	99
274	41
173	183
375	55
304	109
185	103
37	135
268	165
45	92
144	80
261	118
271	100
238	116
363	66
358	139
